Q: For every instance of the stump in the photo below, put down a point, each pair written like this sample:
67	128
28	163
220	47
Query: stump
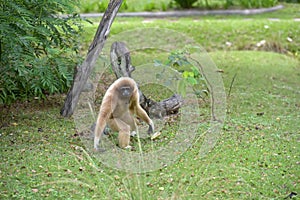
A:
121	65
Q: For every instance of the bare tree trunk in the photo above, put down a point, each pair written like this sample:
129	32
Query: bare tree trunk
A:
121	65
82	72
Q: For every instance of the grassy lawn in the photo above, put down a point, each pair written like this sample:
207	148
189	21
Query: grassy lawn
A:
256	155
214	32
94	6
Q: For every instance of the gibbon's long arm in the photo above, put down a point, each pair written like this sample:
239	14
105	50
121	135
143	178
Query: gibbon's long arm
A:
104	115
140	112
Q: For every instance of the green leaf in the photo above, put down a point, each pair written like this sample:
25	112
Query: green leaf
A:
191	80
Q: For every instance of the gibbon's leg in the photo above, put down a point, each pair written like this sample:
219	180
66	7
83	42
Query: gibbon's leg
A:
124	132
112	124
134	128
124	139
129	119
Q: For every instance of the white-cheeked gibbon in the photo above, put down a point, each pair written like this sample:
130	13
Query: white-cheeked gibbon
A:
119	105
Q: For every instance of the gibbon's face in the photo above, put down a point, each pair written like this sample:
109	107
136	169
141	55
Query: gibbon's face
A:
125	92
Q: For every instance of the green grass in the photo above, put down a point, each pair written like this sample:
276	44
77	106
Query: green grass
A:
216	34
94	6
257	153
256	157
88	6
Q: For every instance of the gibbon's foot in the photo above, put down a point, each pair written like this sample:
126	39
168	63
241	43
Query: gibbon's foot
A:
133	133
128	147
98	150
95	149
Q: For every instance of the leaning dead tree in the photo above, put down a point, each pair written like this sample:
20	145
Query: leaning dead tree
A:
121	65
83	72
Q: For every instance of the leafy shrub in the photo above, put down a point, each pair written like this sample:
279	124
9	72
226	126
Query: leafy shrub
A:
93	6
290	1
227	3
185	3
38	48
150	6
236	3
257	3
191	76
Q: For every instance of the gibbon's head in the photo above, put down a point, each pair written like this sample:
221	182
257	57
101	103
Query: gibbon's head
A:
125	87
125	91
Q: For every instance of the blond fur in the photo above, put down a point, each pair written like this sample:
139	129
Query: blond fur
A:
118	112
